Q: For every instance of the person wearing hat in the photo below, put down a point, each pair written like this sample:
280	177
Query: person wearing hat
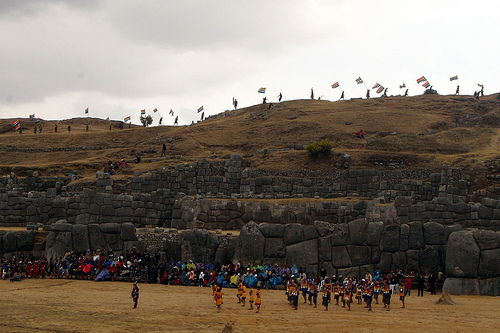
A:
135	294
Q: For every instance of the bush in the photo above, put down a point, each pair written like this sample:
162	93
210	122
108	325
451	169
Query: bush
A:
321	148
430	91
146	121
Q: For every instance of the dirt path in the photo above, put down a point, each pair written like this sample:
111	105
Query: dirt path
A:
86	306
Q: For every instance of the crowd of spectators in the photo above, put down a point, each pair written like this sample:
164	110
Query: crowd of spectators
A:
152	268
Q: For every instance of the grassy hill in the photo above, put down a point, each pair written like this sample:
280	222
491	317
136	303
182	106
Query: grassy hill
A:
410	132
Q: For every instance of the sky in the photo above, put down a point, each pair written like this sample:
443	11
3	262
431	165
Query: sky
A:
117	57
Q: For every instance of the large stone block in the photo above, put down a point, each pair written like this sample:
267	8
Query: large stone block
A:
416	236
340	236
385	261
293	233
434	234
340	257
430	259
451	228
251	244
61	225
25	240
352	272
489	263
81	240
460	286
304	254
110	228
374	233
9	242
128	232
324	228
324	249
274	248
413	260
114	242
398	261
390	238
270	230
96	238
360	255
358	232
462	255
486	239
58	243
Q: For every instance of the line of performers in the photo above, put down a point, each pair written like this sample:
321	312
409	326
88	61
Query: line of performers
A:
255	296
346	292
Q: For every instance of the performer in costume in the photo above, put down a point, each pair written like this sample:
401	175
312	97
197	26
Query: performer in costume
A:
251	300
258	300
401	292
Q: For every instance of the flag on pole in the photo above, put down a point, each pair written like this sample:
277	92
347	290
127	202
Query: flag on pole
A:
482	86
426	84
453	78
376	85
171	112
422	79
200	109
37	120
126	119
380	89
32	116
15	123
143	111
155	110
86	110
359	80
335	85
262	90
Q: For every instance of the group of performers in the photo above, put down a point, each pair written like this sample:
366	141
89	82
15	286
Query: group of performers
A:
344	291
255	296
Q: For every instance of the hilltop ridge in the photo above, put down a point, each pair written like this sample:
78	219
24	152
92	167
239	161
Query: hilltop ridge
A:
401	132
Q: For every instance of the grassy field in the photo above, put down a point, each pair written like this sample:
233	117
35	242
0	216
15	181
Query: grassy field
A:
87	306
419	132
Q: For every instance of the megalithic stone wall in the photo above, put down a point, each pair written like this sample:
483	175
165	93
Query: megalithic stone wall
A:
347	248
473	254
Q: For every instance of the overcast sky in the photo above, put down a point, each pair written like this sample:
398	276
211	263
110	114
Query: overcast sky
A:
58	57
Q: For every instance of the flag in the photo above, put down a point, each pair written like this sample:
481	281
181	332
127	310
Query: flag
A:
422	79
15	123
143	112
335	85
32	116
171	112
359	80
402	86
107	119
37	120
426	84
18	126
126	119
261	91
376	85
480	85
380	89
86	110
453	78
200	109
155	110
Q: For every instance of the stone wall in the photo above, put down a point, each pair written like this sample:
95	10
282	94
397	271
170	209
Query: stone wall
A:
473	254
